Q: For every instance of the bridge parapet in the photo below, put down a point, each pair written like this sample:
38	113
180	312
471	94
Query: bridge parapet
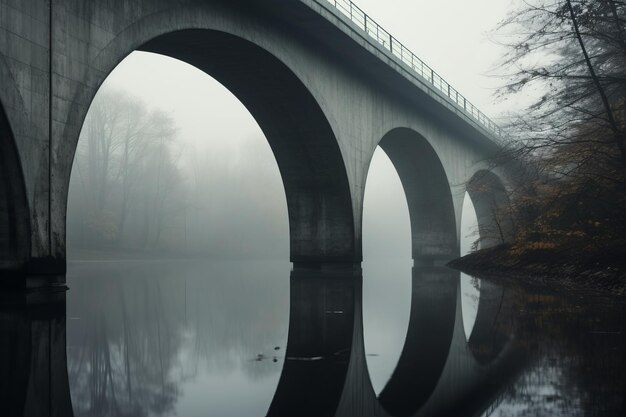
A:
381	38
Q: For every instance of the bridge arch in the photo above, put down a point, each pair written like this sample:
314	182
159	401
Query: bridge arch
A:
14	212
305	147
428	194
491	202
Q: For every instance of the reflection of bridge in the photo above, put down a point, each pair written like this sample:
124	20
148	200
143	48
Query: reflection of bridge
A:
324	82
32	356
325	371
439	373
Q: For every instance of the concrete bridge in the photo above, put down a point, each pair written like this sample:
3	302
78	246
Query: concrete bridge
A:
325	83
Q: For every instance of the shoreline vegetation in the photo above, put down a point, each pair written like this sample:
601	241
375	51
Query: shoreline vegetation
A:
564	215
571	269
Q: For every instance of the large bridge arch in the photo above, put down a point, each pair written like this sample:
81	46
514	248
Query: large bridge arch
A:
302	140
14	212
428	194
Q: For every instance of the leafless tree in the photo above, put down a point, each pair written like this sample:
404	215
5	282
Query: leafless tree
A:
571	55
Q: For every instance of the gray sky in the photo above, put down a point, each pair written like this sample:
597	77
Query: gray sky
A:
451	36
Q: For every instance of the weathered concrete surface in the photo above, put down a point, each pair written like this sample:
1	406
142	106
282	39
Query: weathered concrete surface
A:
322	93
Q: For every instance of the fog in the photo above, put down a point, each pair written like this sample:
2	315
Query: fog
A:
206	182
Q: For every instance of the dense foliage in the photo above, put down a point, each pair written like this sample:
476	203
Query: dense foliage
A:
571	141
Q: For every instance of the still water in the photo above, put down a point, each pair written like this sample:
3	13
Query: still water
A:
233	338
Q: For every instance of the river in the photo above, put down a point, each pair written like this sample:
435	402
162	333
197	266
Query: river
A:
255	338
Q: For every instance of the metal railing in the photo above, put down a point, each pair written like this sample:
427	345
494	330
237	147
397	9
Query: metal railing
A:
409	59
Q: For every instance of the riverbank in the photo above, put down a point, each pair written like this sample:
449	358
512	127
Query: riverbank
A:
569	269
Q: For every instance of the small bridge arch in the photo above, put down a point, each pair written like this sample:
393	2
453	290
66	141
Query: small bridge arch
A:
492	206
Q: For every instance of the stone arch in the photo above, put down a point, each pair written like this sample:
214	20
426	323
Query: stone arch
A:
14	212
491	201
321	220
428	194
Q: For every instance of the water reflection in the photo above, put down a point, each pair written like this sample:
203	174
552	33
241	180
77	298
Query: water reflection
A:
470	297
431	325
33	369
578	348
322	321
387	296
143	337
193	339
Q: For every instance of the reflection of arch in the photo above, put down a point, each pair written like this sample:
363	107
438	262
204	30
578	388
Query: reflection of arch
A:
321	323
490	200
312	168
325	371
14	214
492	327
428	195
425	351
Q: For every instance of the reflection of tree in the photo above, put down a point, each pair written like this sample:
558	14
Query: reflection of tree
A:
125	362
580	368
145	331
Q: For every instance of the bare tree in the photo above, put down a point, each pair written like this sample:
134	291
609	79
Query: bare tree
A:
125	155
571	55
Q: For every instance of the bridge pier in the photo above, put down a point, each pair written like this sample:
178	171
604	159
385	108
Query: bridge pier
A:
432	261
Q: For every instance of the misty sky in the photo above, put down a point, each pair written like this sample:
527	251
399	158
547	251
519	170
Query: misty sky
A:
452	37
